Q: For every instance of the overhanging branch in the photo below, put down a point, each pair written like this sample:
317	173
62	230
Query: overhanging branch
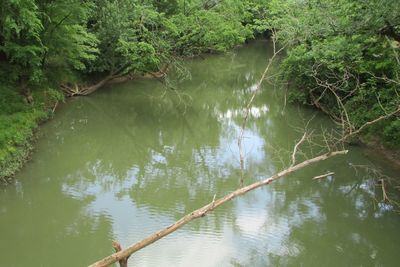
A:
124	254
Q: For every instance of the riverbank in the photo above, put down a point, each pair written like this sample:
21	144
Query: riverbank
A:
138	147
375	145
19	122
19	119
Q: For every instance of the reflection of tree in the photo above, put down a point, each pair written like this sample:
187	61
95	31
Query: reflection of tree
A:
152	135
139	143
332	222
351	230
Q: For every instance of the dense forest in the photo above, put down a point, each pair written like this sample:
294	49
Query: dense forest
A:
341	56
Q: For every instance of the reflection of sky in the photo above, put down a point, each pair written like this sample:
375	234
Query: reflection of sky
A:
131	222
284	220
255	112
253	141
254	232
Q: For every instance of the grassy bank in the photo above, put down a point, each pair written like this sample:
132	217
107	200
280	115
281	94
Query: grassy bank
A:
18	122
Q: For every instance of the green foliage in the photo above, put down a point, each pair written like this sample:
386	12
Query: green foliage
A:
168	7
58	41
17	123
40	38
46	43
343	49
206	31
132	37
256	16
11	102
347	49
139	36
68	44
20	44
391	133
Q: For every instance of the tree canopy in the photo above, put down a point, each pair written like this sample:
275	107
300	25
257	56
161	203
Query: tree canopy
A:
343	57
56	41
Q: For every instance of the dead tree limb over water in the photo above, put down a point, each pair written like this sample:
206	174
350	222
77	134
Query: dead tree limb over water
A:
125	253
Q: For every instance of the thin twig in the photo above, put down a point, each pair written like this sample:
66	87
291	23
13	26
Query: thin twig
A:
54	108
296	147
385	196
323	175
345	137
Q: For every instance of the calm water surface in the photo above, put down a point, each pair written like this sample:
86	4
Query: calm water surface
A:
134	157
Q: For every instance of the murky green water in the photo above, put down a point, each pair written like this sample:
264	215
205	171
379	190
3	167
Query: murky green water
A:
135	157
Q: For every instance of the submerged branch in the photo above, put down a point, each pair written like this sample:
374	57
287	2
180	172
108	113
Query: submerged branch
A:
123	254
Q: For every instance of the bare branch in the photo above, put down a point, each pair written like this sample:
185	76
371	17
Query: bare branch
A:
117	247
333	88
382	180
385	196
347	136
323	175
207	208
296	147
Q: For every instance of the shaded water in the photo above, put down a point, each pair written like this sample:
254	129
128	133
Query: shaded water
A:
135	157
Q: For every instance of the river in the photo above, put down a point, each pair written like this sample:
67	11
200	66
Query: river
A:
134	157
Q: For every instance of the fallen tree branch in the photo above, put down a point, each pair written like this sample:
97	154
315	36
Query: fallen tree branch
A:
123	254
75	90
113	77
323	175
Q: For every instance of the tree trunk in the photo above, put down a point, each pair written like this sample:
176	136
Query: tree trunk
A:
76	90
81	91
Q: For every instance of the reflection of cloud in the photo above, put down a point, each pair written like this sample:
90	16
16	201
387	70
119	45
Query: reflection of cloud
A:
257	226
257	159
255	112
251	224
199	250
